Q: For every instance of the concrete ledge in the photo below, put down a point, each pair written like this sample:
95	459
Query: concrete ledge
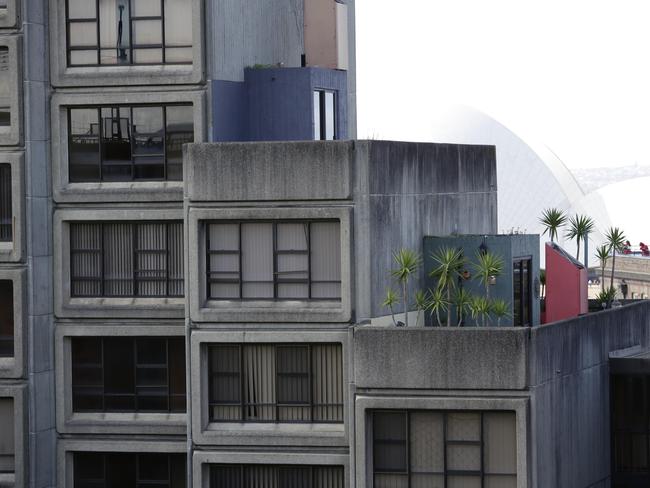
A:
441	358
264	171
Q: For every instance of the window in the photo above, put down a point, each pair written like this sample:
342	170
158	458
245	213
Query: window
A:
290	260
521	283
269	476
5	84
126	259
7	449
444	449
6	319
128	470
324	115
6	216
126	143
276	383
125	374
631	429
124	32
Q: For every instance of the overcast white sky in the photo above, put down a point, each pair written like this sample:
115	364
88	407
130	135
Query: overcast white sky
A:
575	74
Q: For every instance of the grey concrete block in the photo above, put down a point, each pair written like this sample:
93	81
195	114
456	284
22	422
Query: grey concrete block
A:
41	286
42	395
44	458
36	98
441	358
268	171
42	343
36	66
35	12
41	227
38	169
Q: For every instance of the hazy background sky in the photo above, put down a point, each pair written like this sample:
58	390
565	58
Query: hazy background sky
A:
574	74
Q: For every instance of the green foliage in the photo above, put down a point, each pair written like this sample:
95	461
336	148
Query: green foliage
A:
421	303
408	262
501	309
437	303
448	263
616	240
487	266
552	219
606	297
390	301
480	308
580	226
462	301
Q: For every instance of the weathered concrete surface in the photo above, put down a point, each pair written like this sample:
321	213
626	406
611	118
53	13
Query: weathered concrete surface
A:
441	358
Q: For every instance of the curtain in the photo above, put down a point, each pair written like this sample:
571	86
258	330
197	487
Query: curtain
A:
6	217
257	260
224	264
176	258
293	265
178	31
6	435
293	377
500	449
326	260
259	382
118	260
86	259
426	449
151	255
269	476
466	427
327	388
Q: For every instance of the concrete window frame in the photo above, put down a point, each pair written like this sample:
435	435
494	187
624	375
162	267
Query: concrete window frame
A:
69	422
64	76
202	310
9	18
205	432
15	367
19	395
201	461
13	251
363	430
131	191
66	448
13	135
107	307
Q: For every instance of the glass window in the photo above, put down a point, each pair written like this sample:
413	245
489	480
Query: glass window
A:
438	449
292	260
128	470
124	374
126	143
522	288
324	115
126	259
7	449
5	84
123	32
276	383
6	318
6	216
268	476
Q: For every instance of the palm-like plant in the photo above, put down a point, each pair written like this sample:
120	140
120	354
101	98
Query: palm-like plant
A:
501	309
389	302
580	226
408	263
448	262
552	219
437	303
462	301
480	308
487	266
421	303
615	240
602	254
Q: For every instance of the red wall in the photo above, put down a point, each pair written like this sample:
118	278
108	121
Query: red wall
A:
566	287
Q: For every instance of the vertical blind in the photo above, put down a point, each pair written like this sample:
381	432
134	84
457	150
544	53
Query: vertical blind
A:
6	318
268	476
6	217
7	449
435	449
126	259
274	260
276	383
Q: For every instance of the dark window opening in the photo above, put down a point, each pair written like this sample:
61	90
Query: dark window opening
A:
128	143
128	470
325	124
128	32
122	374
6	318
5	95
630	397
522	288
275	383
7	441
110	259
260	475
444	449
6	216
290	260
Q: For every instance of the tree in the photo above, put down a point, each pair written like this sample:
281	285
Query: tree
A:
488	265
437	303
407	262
480	307
602	254
501	309
421	303
390	301
615	240
580	226
552	219
462	301
448	262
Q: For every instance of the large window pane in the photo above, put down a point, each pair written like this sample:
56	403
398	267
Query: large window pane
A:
6	215
324	115
389	448
6	318
180	130
7	422
148	143
257	260
294	383
83	146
